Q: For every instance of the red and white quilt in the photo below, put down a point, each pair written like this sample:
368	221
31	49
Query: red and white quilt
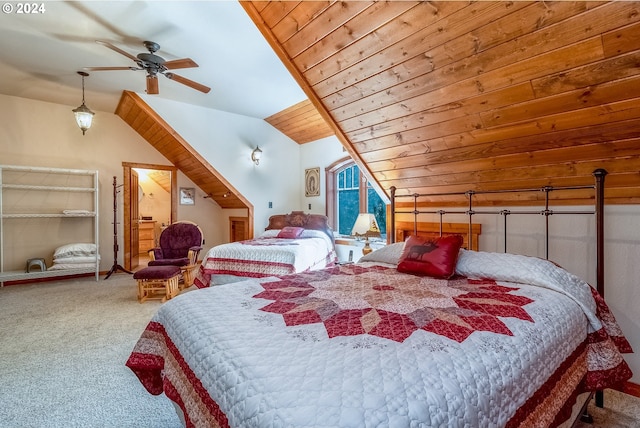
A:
266	256
364	345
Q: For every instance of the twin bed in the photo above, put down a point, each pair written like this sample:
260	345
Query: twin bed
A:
418	333
291	243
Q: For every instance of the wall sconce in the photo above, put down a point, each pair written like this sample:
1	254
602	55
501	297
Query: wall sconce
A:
256	154
84	116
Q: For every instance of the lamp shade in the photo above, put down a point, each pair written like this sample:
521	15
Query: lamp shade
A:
84	117
366	225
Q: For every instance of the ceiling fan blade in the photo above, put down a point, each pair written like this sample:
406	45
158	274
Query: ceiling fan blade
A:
152	85
190	83
117	49
111	68
180	63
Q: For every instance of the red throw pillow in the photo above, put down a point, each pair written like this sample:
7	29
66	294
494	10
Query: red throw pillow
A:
431	257
290	232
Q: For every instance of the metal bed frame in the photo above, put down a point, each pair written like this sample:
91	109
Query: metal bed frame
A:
598	186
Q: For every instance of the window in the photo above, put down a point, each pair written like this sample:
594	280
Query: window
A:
348	198
348	194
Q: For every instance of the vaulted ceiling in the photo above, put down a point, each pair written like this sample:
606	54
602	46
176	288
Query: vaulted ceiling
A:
157	132
434	97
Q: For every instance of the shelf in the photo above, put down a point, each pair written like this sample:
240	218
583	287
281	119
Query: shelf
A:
48	188
21	185
47	170
48	215
20	275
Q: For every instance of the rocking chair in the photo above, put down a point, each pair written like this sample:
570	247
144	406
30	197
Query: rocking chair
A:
179	245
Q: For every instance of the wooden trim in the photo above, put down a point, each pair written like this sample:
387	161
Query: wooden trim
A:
126	208
427	229
631	389
363	194
331	192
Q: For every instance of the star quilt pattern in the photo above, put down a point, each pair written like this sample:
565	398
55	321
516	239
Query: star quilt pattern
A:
352	300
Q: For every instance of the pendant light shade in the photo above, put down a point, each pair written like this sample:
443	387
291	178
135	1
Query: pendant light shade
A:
84	116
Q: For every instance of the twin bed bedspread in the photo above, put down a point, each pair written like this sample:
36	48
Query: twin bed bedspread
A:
509	343
267	255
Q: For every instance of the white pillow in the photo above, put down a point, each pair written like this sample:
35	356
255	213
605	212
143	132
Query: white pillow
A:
388	254
75	250
76	260
271	233
65	266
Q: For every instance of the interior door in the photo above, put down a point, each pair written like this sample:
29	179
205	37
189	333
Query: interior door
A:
135	216
238	228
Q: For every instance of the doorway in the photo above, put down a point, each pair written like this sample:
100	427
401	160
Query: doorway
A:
143	217
238	229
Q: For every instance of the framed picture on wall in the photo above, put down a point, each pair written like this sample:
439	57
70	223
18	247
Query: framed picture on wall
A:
312	181
187	196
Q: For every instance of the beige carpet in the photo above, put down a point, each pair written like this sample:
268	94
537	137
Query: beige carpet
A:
619	411
64	345
63	349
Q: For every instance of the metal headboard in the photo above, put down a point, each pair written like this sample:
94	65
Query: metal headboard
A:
599	175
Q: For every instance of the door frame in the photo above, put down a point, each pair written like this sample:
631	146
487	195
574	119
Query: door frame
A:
245	222
127	220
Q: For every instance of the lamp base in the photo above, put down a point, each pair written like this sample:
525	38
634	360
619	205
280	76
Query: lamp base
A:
366	249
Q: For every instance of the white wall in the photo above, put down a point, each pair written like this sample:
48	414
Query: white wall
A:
226	140
320	153
207	214
154	201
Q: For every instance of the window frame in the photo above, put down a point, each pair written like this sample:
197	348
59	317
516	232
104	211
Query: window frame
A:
331	173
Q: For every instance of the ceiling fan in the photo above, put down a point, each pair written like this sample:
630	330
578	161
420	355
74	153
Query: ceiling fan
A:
154	65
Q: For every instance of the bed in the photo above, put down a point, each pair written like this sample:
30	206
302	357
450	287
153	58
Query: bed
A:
470	338
294	242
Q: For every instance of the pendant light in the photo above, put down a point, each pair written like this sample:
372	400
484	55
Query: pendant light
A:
256	155
84	116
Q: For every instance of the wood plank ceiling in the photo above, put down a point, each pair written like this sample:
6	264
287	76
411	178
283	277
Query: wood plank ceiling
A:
162	178
455	96
301	122
146	122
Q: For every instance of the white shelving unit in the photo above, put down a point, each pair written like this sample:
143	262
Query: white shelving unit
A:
38	185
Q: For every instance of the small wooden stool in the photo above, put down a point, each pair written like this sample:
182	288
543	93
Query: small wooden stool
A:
157	282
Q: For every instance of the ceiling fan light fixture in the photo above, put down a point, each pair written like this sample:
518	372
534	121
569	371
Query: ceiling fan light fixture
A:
154	65
84	115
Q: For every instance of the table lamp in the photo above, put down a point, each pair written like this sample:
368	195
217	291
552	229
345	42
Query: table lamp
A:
367	226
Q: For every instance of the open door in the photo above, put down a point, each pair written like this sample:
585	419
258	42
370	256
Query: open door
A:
135	217
132	207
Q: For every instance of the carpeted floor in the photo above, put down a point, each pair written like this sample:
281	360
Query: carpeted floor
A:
64	345
63	349
619	411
